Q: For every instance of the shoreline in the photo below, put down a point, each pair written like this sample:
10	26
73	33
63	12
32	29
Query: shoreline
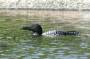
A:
46	9
40	13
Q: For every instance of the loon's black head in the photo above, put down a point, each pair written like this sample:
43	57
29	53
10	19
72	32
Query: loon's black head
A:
35	28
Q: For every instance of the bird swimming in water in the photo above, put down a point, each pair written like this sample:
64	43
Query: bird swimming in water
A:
37	31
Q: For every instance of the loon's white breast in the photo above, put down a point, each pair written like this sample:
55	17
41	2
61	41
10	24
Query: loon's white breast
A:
50	33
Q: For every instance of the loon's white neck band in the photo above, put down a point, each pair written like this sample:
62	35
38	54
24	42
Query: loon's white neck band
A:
35	34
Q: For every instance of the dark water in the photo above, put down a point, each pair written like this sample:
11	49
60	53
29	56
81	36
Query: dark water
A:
68	47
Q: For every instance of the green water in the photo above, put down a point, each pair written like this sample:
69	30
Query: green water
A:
19	44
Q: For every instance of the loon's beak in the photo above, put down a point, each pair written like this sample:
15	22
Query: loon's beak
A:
26	28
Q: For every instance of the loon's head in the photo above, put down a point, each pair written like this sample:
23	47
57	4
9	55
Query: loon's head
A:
35	28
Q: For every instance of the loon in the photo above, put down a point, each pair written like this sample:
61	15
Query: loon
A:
37	31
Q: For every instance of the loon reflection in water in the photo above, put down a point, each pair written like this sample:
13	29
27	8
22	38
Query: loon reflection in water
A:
37	31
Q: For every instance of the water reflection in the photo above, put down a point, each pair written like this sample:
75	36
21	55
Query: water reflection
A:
49	48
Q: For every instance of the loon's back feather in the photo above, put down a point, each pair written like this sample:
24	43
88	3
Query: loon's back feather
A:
59	33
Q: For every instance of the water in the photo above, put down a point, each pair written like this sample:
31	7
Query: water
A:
67	47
